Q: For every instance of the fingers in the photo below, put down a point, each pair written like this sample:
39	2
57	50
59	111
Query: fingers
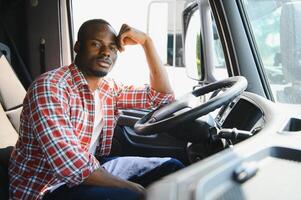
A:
140	190
124	28
130	36
137	188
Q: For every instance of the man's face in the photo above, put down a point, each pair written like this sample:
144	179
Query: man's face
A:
97	53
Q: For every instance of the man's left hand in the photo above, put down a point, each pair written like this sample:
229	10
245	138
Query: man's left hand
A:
130	36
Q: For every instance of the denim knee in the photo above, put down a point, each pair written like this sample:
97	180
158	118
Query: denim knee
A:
175	164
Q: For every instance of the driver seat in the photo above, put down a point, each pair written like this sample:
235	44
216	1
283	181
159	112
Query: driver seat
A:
11	97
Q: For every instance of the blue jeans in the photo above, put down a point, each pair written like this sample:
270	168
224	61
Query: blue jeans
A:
87	192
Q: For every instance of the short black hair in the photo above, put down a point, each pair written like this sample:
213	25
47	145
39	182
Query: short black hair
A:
83	30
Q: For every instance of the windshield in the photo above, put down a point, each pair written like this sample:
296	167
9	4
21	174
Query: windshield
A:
276	29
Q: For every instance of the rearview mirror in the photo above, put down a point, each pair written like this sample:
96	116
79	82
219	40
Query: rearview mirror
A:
193	55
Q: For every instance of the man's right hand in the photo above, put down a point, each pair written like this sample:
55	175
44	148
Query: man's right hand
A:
102	178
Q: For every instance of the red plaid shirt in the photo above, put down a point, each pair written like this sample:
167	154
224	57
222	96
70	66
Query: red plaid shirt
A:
56	128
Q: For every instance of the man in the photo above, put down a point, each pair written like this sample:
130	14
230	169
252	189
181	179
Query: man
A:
68	120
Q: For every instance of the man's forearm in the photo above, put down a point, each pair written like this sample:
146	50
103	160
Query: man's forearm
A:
158	76
101	177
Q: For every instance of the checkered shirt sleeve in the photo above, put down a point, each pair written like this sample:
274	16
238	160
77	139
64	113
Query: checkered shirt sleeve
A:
58	139
140	97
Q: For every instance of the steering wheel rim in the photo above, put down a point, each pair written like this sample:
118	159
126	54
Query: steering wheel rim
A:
183	110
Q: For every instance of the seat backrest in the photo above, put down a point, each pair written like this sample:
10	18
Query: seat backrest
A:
12	93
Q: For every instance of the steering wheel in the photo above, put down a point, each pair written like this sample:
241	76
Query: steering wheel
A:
189	106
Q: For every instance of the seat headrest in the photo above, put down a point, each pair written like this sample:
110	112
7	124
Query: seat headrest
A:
12	91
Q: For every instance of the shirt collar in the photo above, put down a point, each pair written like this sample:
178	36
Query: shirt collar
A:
77	76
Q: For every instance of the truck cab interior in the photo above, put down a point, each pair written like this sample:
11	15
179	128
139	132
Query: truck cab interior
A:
237	135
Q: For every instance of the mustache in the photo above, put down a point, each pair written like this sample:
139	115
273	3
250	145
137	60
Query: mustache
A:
104	59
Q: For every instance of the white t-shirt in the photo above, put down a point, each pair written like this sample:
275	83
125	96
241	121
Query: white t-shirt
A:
97	123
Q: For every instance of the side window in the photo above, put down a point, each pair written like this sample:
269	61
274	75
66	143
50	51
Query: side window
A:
276	29
170	29
162	20
133	13
164	25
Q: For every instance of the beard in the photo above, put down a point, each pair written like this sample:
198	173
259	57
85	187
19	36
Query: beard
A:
90	67
97	73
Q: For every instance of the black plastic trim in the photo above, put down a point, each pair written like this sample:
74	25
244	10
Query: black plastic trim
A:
226	40
70	26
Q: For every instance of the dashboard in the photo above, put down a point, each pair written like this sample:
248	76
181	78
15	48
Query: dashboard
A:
256	168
